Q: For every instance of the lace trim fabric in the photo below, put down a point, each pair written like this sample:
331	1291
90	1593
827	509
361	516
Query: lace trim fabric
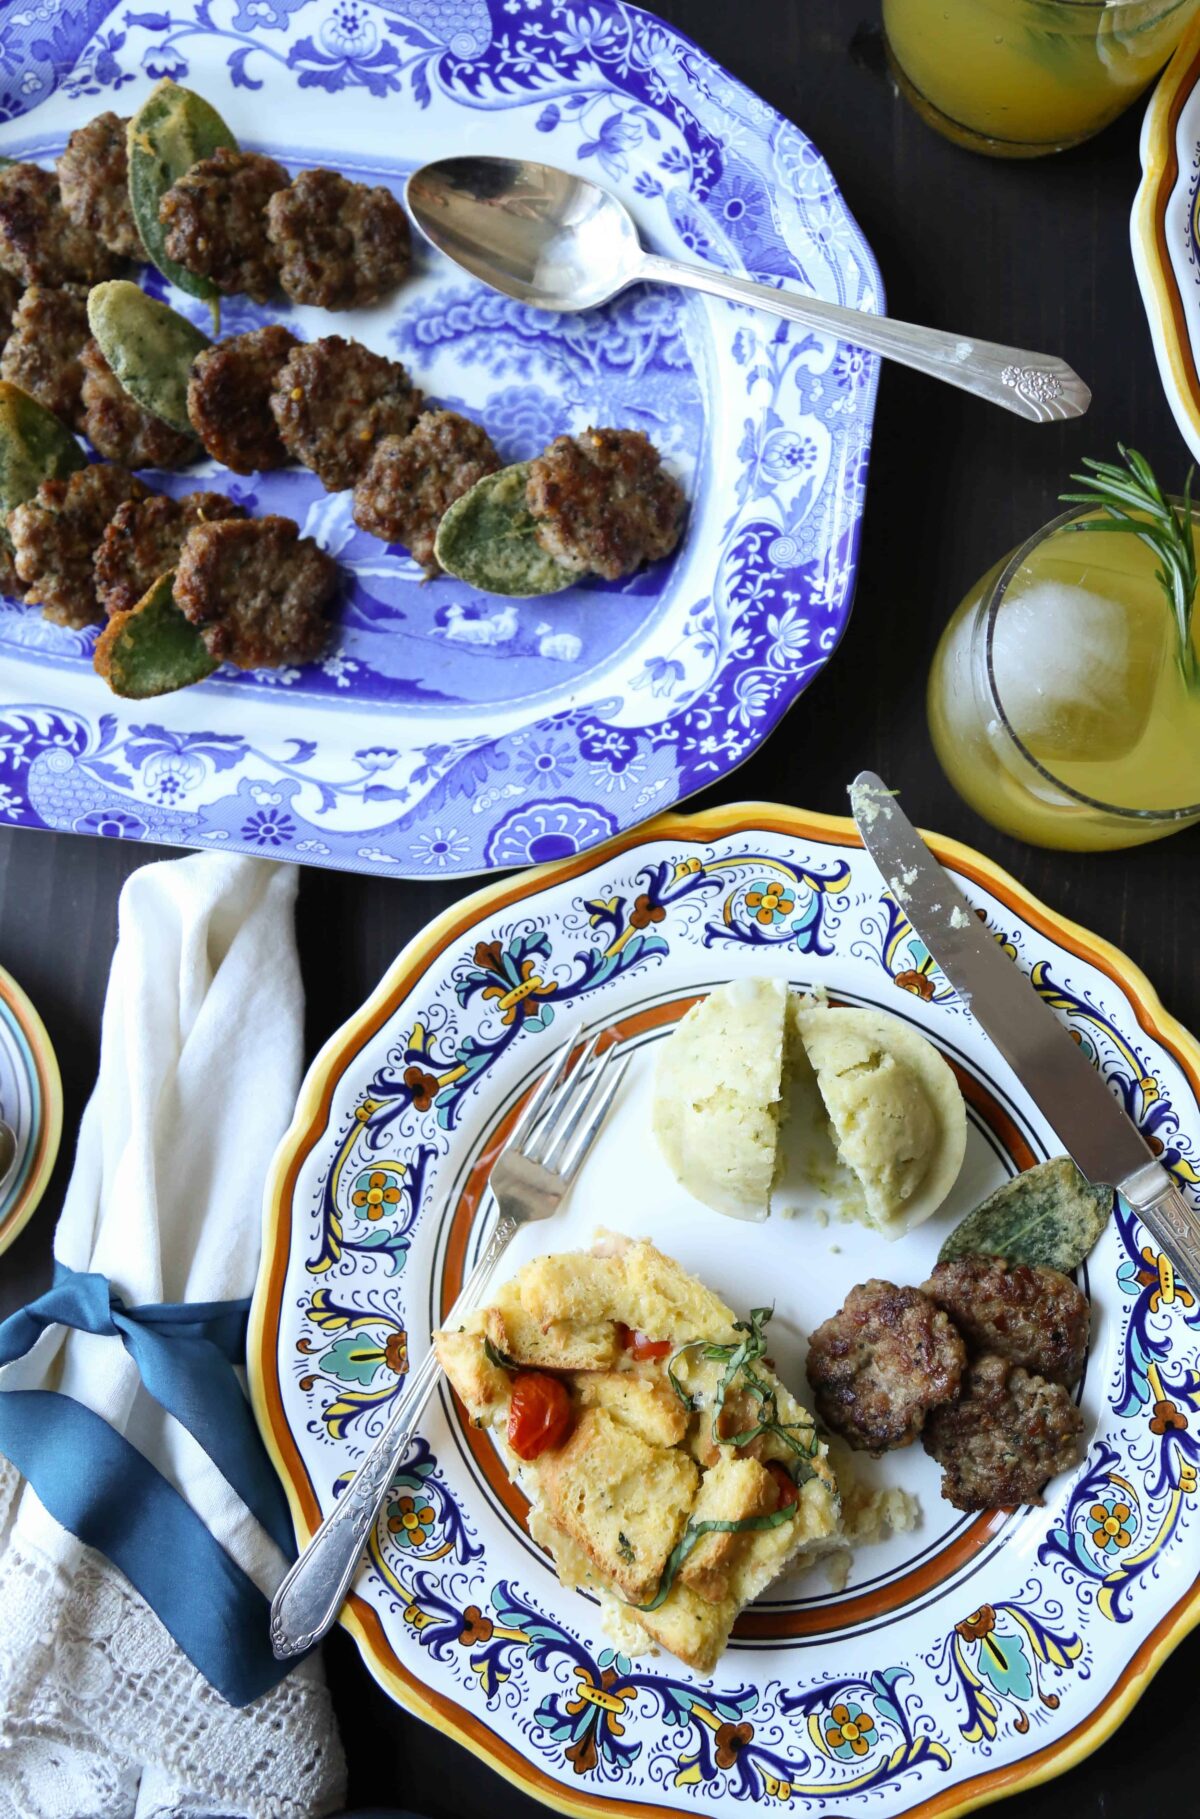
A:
102	1716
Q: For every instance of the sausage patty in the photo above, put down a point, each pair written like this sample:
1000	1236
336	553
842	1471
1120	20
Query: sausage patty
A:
39	242
334	400
1004	1438
1029	1314
229	395
881	1363
93	178
42	353
604	503
216	227
410	481
257	589
119	429
11	290
55	535
142	541
339	245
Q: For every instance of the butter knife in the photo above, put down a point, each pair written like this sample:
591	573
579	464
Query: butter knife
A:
1069	1092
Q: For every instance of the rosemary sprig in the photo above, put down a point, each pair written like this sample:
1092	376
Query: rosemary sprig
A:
1164	528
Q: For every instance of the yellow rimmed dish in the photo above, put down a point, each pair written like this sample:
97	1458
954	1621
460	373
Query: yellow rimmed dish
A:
31	1102
882	1695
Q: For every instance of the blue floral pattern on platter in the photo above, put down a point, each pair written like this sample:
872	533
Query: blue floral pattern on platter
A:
609	702
1009	1649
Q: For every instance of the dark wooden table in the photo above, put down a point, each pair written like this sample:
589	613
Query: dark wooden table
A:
1032	254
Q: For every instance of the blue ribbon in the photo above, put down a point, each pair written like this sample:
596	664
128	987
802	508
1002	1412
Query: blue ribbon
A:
100	1488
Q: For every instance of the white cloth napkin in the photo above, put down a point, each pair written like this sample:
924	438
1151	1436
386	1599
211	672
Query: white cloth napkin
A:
101	1715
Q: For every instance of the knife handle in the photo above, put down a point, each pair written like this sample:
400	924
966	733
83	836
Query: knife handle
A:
1167	1216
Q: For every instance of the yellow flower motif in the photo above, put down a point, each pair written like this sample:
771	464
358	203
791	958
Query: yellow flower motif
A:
1108	1525
409	1521
378	1195
849	1730
770	902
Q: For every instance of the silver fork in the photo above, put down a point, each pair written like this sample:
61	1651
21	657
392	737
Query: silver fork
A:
530	1178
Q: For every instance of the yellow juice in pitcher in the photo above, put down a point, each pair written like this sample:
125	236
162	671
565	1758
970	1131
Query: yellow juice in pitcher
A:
1058	705
1022	77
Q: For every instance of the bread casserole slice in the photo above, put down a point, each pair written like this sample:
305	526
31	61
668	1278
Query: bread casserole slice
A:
672	1473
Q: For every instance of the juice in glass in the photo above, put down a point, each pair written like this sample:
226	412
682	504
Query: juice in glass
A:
1017	78
1058	703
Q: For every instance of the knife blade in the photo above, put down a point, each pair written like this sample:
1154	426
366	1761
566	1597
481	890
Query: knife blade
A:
1070	1093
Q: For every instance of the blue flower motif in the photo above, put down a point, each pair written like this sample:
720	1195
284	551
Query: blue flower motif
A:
161	60
852	367
269	827
617	135
112	823
522	419
661	675
787	455
552	830
377	757
548	762
265	15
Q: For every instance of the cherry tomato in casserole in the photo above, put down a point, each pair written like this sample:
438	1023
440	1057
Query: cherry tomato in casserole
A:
539	1414
788	1494
640	1344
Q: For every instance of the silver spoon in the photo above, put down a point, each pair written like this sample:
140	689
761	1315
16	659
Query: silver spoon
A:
559	242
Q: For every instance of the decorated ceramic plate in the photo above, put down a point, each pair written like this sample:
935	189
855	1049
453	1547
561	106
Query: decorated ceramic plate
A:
1166	231
31	1102
448	730
971	1656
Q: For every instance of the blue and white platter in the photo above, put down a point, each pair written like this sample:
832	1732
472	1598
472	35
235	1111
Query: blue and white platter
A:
447	731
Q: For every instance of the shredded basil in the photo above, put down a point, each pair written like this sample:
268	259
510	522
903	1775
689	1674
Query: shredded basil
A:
696	1531
741	1358
500	1359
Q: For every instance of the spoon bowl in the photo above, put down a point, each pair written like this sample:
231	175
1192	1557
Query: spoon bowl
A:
557	241
537	233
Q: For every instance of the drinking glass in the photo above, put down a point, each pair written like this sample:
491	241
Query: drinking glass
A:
1017	78
1059	705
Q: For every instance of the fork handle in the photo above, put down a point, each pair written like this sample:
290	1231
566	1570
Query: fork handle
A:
313	1591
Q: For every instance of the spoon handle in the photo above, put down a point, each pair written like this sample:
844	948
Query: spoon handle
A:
1039	387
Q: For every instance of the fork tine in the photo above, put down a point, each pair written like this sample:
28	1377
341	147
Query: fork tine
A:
546	1133
583	1088
582	1142
537	1099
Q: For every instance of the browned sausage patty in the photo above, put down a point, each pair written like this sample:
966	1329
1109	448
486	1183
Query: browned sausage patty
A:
142	541
881	1363
258	590
93	177
216	225
411	480
229	394
1004	1438
1031	1315
55	536
41	355
334	400
340	245
10	581
39	242
121	430
604	503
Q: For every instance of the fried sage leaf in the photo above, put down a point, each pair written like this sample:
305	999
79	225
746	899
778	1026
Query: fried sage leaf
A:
1050	1215
34	446
172	130
152	649
488	538
149	346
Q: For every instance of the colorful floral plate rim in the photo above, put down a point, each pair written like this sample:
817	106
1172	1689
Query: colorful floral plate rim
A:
31	1101
446	731
978	1655
1165	233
